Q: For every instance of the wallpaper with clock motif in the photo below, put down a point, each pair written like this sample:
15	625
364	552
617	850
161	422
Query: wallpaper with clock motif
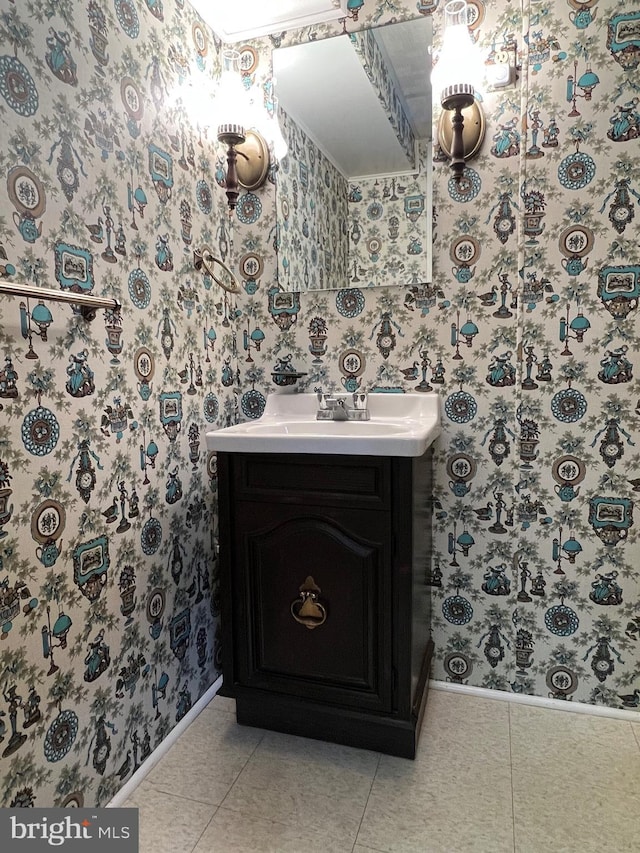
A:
108	595
388	224
312	214
527	332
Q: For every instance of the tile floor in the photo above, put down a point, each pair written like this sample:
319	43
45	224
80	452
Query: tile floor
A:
490	776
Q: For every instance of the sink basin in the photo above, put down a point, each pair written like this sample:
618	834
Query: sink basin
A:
400	425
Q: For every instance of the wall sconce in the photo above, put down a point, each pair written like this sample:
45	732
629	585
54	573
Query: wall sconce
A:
352	10
209	337
136	202
461	125
252	340
158	691
230	102
148	456
247	150
462	543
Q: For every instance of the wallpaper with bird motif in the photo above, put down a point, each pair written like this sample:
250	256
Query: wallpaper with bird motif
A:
108	505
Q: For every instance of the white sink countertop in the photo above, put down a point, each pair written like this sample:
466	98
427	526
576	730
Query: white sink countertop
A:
400	425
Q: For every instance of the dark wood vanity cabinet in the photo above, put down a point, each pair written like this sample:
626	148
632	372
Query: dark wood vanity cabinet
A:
325	610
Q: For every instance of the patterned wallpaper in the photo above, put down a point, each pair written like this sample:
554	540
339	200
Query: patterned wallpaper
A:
332	233
107	496
312	215
388	227
108	611
385	86
528	333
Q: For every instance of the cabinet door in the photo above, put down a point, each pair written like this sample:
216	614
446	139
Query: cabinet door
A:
347	658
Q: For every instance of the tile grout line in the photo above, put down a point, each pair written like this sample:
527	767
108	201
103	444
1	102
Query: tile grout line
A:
243	768
220	805
364	810
513	799
280	820
159	790
217	808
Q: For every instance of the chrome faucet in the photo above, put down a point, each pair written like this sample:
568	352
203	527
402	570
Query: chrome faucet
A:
337	408
340	412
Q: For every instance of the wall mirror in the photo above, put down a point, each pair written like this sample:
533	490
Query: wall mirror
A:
353	194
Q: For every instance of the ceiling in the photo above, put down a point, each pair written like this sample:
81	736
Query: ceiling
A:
246	19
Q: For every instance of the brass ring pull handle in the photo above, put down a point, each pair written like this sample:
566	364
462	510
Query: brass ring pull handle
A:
306	609
205	259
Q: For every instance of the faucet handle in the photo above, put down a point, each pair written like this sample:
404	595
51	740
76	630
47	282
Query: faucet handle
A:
360	400
325	401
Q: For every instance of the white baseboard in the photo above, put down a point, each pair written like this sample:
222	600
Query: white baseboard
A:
539	701
499	695
129	787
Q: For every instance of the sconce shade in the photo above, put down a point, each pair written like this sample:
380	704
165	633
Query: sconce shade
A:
275	136
265	120
231	101
466	540
459	68
580	324
268	124
453	80
469	329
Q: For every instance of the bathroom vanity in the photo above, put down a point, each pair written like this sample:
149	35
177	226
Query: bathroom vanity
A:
325	609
